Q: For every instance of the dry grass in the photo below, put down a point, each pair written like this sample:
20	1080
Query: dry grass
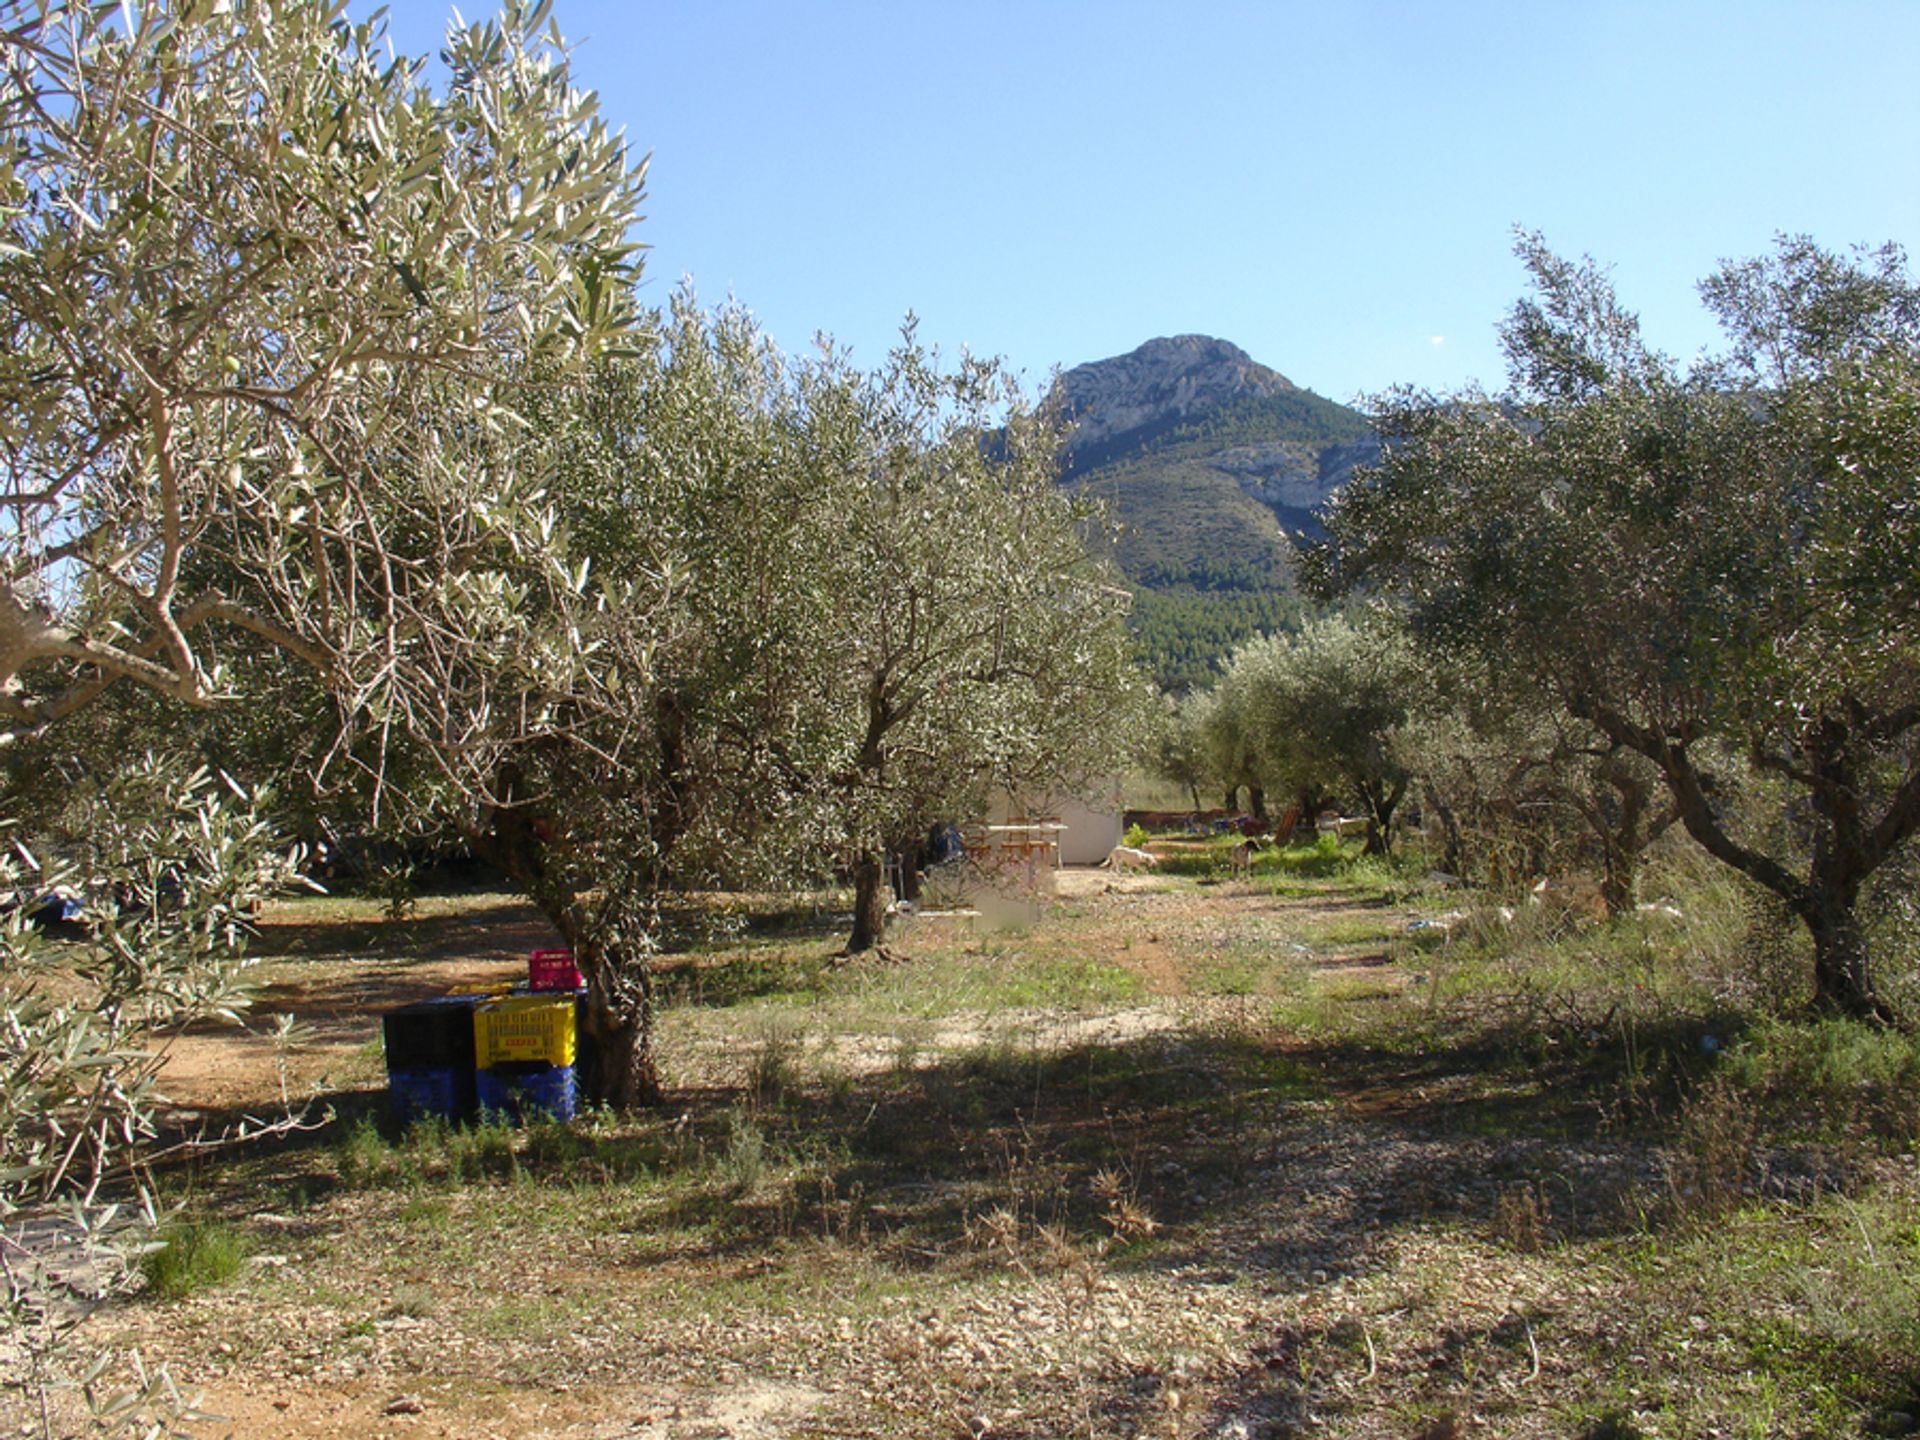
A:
1167	1164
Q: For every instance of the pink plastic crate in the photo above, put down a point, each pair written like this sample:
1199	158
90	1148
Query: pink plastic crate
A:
553	970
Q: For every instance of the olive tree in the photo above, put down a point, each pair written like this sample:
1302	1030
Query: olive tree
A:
967	640
165	863
260	282
824	612
1322	708
682	747
276	311
264	293
1173	749
1224	724
1515	786
1711	567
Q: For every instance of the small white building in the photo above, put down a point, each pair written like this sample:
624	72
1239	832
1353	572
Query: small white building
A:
1086	831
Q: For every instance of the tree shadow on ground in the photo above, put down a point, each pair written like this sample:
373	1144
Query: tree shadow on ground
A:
1262	1161
1253	1151
507	930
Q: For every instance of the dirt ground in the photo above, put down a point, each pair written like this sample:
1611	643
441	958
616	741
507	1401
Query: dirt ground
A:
1346	1254
336	1004
217	1068
410	1377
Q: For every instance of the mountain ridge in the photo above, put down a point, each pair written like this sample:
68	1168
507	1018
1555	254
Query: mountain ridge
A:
1211	462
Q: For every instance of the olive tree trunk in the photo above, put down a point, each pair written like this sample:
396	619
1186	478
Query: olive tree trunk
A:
1849	845
869	903
617	1063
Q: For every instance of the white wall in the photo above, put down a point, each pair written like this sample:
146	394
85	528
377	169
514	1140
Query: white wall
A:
1092	830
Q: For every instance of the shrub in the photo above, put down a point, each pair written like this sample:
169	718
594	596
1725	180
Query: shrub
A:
1835	1078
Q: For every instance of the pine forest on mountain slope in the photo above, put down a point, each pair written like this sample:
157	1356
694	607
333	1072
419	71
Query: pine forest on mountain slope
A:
1212	564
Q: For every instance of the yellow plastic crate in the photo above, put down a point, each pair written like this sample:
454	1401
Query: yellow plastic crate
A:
483	987
524	1027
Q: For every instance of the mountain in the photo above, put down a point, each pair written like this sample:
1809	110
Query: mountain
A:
1209	460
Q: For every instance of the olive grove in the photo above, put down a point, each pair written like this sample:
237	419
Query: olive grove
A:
1711	568
330	414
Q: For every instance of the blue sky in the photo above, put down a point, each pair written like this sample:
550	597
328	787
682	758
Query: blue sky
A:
1333	187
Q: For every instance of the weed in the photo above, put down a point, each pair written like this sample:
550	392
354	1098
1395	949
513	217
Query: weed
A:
550	1147
1836	1080
425	1213
483	1152
1615	1425
773	1070
1359	930
393	883
193	1256
1126	1218
414	1301
1711	1162
1327	857
1521	1215
363	1158
743	1164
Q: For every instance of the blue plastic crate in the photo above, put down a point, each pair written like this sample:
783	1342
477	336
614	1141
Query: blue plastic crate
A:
449	1092
518	1090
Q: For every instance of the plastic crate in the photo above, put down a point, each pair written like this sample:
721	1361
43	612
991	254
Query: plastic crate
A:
482	989
552	970
417	1094
524	1029
431	1034
519	1090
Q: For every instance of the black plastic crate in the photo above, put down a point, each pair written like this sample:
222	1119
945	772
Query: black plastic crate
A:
432	1034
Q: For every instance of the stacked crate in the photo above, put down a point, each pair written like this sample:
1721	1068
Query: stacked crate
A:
552	970
524	1048
430	1058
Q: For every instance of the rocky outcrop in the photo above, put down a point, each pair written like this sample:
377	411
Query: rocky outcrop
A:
1193	403
1163	383
1285	474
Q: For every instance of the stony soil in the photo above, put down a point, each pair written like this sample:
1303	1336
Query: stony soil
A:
1350	1260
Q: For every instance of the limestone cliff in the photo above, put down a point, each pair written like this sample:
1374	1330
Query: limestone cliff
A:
1212	461
1163	382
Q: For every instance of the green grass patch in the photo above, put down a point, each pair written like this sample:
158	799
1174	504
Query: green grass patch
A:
436	1153
989	977
1359	930
193	1256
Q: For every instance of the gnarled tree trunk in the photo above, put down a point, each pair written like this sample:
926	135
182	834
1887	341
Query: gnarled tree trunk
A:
616	1064
1842	981
1382	799
1848	846
1616	808
869	903
1450	852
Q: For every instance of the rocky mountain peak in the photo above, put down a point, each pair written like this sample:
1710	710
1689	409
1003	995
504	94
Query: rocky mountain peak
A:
1164	382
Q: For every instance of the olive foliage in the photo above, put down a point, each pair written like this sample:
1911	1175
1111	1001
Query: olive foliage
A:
1320	710
1711	566
261	287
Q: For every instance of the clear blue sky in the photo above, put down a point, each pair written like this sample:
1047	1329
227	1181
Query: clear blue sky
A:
1331	186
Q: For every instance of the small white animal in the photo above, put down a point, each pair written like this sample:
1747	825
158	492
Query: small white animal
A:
1125	857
